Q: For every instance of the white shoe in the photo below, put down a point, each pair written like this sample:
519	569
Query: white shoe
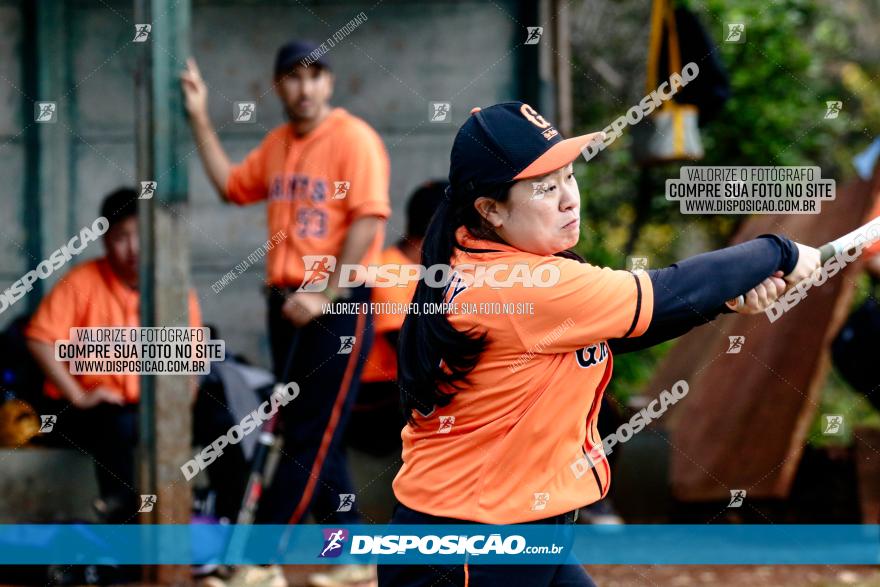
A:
345	576
254	576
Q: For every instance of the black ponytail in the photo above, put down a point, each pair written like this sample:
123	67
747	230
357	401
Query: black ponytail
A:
427	339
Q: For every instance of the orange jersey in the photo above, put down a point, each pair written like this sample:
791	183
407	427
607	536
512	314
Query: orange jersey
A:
316	186
91	295
381	364
513	444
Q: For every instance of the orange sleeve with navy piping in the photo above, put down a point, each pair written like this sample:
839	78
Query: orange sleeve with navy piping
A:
588	304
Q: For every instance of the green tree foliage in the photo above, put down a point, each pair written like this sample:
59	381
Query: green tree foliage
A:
781	78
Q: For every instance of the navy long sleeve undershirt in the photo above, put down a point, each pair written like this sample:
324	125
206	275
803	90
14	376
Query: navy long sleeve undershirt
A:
693	291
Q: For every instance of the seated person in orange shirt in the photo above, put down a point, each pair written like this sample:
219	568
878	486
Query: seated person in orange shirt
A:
97	414
376	418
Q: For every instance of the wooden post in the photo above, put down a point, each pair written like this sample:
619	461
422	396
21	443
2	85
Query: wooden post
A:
47	164
165	416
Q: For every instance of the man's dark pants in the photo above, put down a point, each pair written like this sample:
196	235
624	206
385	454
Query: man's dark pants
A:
312	472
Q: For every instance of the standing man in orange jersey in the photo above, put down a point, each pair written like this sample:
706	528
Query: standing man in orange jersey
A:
325	175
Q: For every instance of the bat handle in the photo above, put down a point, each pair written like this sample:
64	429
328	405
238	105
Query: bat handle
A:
827	251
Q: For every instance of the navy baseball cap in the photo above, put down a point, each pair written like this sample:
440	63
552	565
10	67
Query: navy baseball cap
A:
295	52
508	142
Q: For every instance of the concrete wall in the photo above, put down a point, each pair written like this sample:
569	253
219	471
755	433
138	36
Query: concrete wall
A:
405	55
13	246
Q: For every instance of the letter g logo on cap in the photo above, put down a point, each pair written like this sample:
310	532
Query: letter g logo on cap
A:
533	117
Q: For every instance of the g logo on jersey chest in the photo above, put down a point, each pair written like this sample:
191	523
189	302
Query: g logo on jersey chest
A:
591	355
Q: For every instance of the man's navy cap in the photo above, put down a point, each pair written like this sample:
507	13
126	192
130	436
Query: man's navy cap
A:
508	142
294	52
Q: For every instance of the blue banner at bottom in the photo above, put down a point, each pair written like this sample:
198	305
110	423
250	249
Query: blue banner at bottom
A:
442	544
